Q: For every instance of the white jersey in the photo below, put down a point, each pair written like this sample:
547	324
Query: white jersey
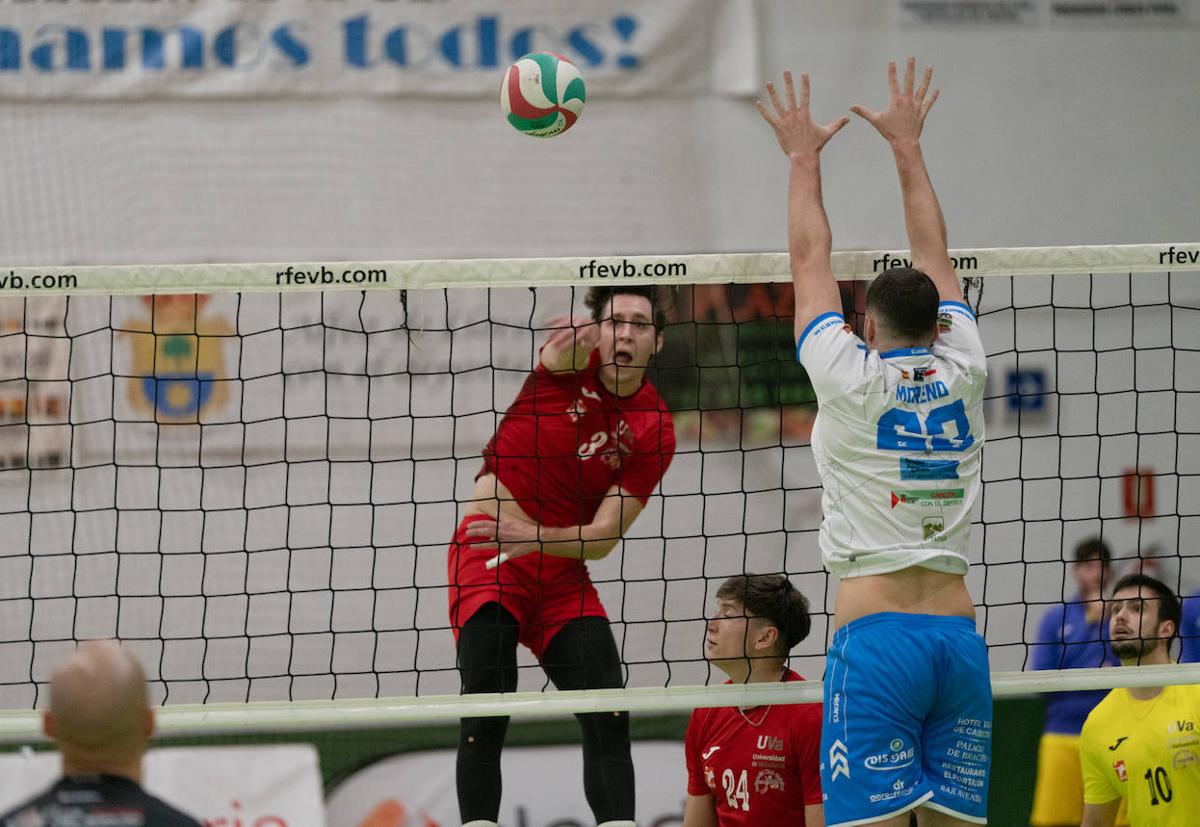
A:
898	442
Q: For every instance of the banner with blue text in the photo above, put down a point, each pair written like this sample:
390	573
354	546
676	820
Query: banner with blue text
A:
110	49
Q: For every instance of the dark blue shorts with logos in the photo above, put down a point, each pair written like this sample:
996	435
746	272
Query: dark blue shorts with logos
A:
907	719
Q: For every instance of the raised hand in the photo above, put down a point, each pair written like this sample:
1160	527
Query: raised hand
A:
581	333
904	118
792	122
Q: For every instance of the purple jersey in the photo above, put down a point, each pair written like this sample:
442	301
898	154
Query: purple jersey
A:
1066	640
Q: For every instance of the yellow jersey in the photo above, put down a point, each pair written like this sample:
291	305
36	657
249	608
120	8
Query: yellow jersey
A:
1147	752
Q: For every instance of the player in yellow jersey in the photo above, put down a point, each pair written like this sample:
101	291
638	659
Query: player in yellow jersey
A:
1143	744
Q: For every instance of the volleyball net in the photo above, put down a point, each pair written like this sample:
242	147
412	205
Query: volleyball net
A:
250	473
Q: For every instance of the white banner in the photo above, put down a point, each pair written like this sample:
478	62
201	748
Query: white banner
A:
454	48
265	786
543	787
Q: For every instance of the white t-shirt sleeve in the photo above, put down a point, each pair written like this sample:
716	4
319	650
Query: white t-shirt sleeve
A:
833	357
959	332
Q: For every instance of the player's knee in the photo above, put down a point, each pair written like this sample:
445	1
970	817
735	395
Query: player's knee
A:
605	731
480	740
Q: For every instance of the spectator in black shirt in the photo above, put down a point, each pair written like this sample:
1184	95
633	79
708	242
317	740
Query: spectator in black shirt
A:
101	720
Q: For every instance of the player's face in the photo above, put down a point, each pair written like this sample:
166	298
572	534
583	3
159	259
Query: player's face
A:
1089	575
1133	626
731	634
627	335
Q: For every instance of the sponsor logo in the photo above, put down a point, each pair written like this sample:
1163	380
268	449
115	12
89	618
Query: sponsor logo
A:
768	780
1119	769
928	498
178	358
839	764
918	374
837	707
898	791
710	777
1120	741
1180	726
769	742
1185	758
708	752
931	527
945	322
896	757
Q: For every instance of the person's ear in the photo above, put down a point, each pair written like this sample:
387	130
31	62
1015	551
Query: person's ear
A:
149	724
48	725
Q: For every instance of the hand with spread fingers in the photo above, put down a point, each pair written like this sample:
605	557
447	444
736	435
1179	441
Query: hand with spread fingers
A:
904	118
792	122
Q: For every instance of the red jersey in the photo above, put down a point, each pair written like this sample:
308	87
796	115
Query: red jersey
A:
565	441
759	774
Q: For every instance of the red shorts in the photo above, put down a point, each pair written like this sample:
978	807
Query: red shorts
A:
543	593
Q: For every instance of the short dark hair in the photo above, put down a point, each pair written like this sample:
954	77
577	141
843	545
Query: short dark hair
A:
597	299
773	598
1091	549
1169	607
905	300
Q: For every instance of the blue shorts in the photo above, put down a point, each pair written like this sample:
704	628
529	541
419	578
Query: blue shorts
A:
908	719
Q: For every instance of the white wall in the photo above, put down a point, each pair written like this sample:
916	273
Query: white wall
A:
1045	134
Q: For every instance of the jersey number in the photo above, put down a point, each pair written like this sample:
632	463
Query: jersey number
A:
901	430
1159	784
736	790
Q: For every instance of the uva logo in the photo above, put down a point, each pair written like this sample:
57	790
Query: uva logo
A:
1180	726
770	742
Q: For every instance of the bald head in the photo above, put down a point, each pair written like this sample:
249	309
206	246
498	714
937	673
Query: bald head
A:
98	705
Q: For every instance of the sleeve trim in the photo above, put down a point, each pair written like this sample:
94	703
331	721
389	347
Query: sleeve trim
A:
958	307
811	325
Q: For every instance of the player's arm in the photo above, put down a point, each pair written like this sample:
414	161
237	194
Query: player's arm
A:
1100	815
810	241
814	815
900	124
1100	797
701	811
516	538
570	344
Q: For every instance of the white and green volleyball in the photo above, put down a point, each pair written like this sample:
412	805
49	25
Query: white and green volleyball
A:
542	94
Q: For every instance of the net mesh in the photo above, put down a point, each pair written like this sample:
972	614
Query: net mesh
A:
254	488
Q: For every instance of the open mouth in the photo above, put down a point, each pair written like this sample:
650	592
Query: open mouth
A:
623	357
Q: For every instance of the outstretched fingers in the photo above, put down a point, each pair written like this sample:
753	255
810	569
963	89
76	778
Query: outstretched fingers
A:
910	72
762	110
924	87
779	110
892	84
837	125
927	105
864	113
791	89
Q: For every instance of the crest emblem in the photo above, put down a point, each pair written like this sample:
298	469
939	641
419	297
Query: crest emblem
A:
177	358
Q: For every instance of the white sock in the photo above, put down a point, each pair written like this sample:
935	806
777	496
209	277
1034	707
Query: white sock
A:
613	824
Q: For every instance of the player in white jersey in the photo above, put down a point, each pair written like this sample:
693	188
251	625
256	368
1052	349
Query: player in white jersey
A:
908	711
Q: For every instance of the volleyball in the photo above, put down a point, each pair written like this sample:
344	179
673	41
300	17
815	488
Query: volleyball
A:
542	94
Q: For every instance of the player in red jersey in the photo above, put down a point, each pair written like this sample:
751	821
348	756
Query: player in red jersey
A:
757	767
571	466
